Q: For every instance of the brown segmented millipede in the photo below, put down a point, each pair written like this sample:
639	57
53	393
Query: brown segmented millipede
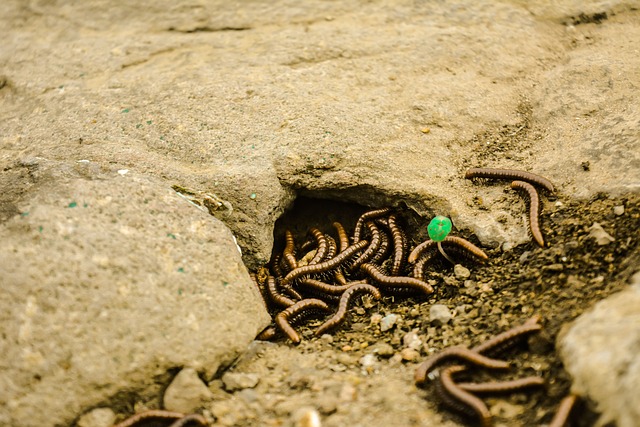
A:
398	245
419	266
510	174
495	387
458	352
448	388
322	245
376	240
326	288
365	217
267	334
288	254
274	294
340	315
343	238
456	241
195	419
534	209
383	248
157	414
501	342
294	312
564	411
325	265
331	248
391	282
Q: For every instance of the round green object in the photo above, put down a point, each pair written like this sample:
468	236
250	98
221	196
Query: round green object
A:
439	227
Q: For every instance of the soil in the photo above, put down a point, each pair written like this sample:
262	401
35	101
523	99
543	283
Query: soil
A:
558	283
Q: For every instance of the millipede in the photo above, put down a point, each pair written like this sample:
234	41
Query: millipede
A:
322	245
293	313
346	298
391	282
459	353
534	209
510	174
449	388
326	265
498	387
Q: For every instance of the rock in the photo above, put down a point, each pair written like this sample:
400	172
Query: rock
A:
98	417
306	417
412	340
439	314
383	349
246	122
461	272
618	210
127	282
368	360
409	354
598	233
388	322
599	350
237	380
186	393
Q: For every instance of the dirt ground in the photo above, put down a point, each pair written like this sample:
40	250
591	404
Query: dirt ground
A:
329	374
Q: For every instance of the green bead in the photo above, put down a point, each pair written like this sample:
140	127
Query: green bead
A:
438	228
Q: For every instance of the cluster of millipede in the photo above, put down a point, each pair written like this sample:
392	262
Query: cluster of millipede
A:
324	272
323	275
523	182
464	396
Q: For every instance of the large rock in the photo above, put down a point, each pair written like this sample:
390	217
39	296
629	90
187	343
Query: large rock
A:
110	279
600	351
258	104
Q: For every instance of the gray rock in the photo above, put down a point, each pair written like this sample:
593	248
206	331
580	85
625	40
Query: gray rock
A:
412	340
388	322
461	272
598	233
238	380
186	393
109	280
439	314
600	350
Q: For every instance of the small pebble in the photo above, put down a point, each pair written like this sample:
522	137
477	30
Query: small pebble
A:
439	314
368	360
328	338
600	235
388	322
461	271
412	340
98	417
237	381
618	210
306	417
186	393
409	354
383	349
376	319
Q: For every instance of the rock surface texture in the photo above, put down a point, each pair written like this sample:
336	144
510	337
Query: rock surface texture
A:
600	351
139	141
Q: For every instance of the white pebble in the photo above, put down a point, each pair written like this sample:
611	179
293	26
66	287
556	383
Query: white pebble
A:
439	314
388	322
600	235
461	271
